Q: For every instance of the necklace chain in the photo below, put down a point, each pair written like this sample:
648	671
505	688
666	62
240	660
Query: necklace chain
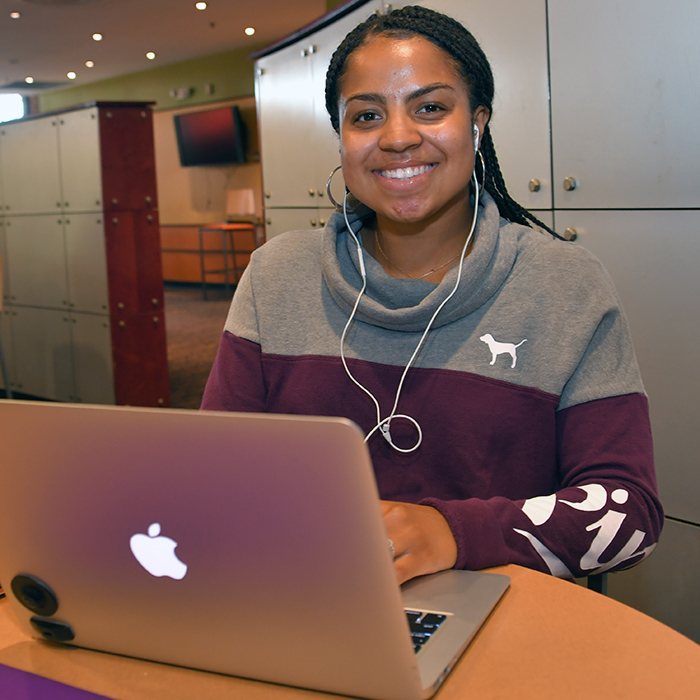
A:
403	272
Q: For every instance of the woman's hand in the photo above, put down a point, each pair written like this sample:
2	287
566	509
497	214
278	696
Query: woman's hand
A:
422	539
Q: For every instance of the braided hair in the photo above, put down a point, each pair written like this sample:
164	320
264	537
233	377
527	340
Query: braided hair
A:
467	57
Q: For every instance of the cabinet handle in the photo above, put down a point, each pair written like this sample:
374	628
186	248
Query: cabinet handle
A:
570	184
535	185
313	222
571	234
312	192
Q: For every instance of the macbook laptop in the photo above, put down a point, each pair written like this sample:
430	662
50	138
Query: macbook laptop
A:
244	544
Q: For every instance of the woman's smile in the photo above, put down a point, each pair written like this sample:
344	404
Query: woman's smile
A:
406	173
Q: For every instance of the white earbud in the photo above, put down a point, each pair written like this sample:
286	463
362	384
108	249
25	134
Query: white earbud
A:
476	137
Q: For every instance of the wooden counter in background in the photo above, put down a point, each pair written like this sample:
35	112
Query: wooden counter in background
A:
180	252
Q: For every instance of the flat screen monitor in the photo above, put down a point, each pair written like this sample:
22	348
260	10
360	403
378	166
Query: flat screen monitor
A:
211	137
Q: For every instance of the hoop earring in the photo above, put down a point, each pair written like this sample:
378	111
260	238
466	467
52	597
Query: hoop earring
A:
338	206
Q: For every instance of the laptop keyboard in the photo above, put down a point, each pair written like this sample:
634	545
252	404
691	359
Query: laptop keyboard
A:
423	626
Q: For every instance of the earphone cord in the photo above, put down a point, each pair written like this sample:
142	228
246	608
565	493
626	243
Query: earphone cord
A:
384	424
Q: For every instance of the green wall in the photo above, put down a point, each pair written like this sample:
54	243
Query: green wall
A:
230	73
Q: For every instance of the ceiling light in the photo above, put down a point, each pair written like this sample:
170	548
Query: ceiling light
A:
201	5
90	64
15	15
29	80
71	75
250	31
150	55
97	36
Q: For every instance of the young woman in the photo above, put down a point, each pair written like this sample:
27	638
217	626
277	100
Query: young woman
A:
489	364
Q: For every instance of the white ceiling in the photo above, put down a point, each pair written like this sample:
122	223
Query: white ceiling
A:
53	37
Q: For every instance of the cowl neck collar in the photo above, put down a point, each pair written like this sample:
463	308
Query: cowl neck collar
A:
408	304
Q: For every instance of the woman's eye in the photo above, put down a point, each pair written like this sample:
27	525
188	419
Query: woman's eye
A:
431	109
366	117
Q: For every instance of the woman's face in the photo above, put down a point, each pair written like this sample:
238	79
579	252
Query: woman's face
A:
406	131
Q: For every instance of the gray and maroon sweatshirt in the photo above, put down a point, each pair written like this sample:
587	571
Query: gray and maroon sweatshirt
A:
536	441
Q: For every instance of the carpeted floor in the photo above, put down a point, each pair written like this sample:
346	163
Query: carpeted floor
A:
193	328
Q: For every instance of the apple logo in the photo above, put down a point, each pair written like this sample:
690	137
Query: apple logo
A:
156	553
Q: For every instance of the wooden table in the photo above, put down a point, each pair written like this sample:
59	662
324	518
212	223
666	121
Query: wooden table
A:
547	639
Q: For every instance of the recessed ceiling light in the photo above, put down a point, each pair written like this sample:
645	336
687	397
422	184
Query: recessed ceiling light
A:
201	5
15	15
71	75
97	36
250	31
29	80
150	55
90	64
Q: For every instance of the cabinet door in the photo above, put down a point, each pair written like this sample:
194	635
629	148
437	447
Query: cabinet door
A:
29	167
285	114
625	98
92	353
513	36
653	258
42	338
281	220
36	261
86	263
81	171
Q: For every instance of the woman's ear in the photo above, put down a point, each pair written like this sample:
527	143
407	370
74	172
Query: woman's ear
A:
480	119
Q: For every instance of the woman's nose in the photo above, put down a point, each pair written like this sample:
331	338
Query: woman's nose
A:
399	133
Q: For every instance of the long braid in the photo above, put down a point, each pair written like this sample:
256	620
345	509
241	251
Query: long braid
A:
463	50
495	185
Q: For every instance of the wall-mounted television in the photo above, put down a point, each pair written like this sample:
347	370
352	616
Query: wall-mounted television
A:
211	137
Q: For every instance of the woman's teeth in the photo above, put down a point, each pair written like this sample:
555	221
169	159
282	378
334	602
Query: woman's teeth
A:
405	173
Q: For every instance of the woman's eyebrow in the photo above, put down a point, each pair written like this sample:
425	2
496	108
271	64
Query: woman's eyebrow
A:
366	97
420	92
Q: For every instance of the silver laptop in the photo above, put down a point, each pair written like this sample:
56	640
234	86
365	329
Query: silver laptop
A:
245	544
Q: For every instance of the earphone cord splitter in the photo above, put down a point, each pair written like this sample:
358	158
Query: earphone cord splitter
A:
384	424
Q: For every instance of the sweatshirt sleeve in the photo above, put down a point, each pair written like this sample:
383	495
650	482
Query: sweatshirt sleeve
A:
606	515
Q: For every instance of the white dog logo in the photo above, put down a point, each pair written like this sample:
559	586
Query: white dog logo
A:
497	348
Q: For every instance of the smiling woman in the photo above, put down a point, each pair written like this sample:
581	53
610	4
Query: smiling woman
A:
488	363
